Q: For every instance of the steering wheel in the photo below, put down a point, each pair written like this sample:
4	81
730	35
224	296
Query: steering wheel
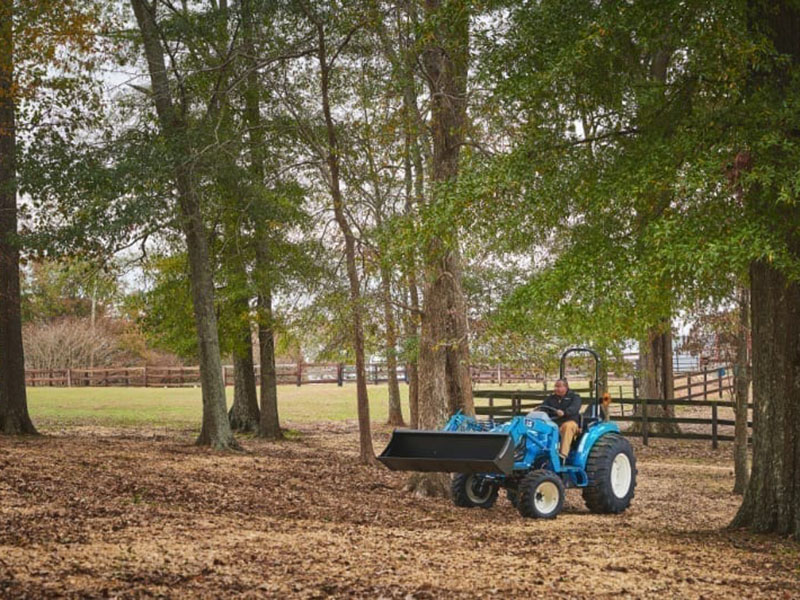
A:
553	411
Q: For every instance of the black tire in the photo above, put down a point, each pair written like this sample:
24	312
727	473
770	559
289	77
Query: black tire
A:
513	496
541	495
610	488
470	490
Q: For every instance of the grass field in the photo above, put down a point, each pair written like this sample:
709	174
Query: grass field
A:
182	407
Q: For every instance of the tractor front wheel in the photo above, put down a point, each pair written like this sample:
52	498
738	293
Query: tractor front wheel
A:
513	496
541	495
611	470
470	490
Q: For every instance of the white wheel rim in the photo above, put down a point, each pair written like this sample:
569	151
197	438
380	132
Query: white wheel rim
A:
621	475
546	497
472	493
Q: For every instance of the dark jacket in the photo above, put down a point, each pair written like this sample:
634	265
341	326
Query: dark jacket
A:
570	404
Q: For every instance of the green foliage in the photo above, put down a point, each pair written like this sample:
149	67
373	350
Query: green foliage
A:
623	124
164	311
67	288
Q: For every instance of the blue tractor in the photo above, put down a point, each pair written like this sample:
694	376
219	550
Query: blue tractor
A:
521	456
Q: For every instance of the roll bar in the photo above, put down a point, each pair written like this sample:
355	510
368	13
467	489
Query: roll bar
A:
561	370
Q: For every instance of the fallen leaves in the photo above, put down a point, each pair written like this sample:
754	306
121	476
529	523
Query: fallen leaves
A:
114	513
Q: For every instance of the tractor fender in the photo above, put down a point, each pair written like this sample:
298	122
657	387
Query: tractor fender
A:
589	439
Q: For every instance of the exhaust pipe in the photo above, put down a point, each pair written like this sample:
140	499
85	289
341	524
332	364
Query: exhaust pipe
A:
449	452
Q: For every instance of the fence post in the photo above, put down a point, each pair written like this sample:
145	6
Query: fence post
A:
375	373
714	426
340	374
69	377
689	385
644	421
405	373
299	374
145	376
644	409
705	384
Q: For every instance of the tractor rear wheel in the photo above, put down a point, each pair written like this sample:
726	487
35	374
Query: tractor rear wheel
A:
611	470
541	495
470	490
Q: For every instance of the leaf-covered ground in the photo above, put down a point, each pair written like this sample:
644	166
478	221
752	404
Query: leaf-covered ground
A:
127	513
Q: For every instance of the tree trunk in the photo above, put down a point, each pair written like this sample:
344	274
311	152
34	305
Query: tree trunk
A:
244	414
742	383
414	176
445	384
216	430
414	191
657	379
395	408
14	417
269	420
412	331
270	423
367	454
771	500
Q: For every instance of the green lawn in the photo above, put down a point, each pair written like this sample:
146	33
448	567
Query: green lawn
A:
181	407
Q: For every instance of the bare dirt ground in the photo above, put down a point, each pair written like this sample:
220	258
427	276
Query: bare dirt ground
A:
121	513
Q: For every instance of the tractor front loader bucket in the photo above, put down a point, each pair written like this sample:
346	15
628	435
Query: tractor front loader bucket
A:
450	452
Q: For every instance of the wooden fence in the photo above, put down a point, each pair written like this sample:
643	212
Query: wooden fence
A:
699	384
504	375
150	376
704	384
504	404
303	374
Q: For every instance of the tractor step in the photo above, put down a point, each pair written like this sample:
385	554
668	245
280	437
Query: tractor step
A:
449	452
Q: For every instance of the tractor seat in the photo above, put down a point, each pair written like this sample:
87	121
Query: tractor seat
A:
588	418
585	420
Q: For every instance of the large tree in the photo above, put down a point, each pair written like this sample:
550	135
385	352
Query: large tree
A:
328	51
14	418
45	55
444	378
173	122
772	498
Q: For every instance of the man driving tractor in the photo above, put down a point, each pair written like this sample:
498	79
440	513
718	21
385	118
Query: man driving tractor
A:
567	407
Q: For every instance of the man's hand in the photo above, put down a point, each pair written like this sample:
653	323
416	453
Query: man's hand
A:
559	413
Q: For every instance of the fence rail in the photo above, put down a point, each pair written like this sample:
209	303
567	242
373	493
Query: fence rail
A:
504	404
150	376
302	374
704	383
